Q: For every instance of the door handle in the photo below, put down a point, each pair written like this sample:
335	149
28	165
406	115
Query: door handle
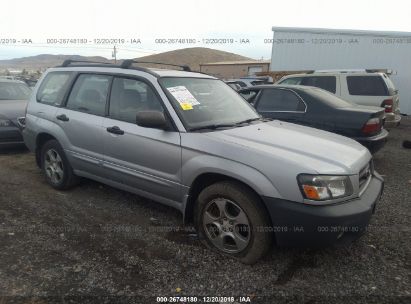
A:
62	117
115	130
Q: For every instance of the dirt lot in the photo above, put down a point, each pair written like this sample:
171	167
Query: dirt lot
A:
98	244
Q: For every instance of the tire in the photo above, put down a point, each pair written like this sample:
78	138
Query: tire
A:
226	231
58	171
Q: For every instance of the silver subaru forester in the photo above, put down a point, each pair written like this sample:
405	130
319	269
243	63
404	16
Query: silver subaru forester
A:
189	141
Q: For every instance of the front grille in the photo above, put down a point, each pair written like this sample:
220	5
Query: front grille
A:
365	175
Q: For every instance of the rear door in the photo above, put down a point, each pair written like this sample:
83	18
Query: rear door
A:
147	159
82	122
282	104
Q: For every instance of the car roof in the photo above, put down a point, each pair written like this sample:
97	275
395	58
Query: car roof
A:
156	72
328	73
279	86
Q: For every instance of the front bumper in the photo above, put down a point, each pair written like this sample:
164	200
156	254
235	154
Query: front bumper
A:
10	136
298	224
374	143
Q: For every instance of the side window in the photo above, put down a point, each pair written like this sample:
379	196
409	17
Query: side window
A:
328	83
278	100
53	88
292	80
366	85
89	94
129	96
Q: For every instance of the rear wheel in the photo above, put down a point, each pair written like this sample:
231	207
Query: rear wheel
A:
231	219
59	174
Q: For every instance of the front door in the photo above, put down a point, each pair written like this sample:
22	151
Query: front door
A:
146	159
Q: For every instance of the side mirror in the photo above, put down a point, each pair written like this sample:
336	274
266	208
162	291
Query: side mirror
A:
152	119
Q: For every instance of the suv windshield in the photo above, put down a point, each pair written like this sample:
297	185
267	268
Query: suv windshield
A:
207	103
14	91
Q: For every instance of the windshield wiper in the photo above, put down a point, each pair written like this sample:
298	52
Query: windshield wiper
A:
248	120
218	126
213	127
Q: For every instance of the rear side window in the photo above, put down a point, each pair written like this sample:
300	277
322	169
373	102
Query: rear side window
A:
54	87
366	85
327	83
89	94
279	100
293	80
129	96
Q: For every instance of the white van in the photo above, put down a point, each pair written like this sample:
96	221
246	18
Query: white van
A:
358	86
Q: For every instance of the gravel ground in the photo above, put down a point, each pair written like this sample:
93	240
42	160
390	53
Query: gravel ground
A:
98	244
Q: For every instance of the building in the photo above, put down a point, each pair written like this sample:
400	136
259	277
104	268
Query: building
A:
296	49
235	69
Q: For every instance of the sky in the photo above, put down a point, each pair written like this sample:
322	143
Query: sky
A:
141	27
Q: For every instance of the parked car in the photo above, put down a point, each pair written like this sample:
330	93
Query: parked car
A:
14	96
317	108
358	86
189	141
245	82
233	84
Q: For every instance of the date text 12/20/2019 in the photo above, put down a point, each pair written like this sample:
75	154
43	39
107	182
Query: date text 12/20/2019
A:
206	299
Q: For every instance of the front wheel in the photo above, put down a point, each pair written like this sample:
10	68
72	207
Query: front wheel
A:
231	219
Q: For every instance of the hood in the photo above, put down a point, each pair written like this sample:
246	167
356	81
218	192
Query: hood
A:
12	109
315	150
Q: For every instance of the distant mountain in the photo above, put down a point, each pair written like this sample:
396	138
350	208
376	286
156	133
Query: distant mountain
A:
192	57
189	56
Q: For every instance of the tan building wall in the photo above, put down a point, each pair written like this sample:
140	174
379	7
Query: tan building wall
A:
225	70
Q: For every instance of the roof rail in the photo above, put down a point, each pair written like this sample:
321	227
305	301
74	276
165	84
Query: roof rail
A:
386	71
67	62
339	71
129	62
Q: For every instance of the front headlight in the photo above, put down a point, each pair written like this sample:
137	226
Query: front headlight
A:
5	123
324	187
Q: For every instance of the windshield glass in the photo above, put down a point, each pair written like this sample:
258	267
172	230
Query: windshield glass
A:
14	91
207	102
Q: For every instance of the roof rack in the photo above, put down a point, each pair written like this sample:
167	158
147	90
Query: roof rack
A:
129	62
338	71
67	62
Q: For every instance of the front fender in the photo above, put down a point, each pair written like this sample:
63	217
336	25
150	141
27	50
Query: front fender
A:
195	165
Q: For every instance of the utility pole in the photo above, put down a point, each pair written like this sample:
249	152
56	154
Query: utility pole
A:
114	54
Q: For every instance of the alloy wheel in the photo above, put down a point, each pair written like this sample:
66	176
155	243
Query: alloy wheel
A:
226	225
53	165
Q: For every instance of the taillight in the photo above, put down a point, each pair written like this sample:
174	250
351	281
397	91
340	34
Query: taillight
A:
388	105
372	126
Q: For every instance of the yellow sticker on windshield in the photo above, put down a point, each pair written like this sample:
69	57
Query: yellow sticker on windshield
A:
186	106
